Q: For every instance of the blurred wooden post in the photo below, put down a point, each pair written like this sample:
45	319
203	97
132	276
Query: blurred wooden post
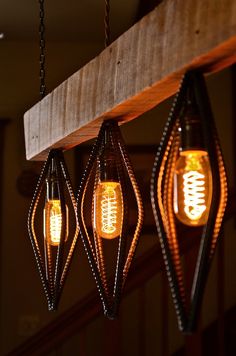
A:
142	321
233	83
112	337
193	343
3	123
220	295
82	344
164	315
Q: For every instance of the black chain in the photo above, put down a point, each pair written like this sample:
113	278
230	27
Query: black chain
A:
42	49
107	23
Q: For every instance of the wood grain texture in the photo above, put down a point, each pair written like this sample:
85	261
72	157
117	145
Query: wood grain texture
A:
135	73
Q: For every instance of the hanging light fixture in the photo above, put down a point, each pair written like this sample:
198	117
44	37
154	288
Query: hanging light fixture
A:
189	187
103	214
53	236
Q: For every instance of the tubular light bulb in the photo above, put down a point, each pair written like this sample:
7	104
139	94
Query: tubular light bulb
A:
108	210
53	222
192	187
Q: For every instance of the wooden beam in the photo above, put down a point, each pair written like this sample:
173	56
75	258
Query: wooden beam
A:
136	72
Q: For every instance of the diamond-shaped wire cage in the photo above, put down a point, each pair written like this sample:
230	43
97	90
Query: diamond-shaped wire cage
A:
53	256
109	162
162	184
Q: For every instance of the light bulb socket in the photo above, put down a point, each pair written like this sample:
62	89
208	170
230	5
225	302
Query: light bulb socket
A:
192	136
107	167
107	158
52	191
52	183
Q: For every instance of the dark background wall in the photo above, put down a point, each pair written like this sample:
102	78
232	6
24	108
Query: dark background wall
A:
75	35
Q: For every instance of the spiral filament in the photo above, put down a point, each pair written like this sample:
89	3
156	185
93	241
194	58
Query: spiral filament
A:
109	210
53	222
192	187
108	215
194	195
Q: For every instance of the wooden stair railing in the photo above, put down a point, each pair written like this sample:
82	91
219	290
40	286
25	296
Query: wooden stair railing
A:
82	313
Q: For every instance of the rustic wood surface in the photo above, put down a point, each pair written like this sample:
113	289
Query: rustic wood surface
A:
135	73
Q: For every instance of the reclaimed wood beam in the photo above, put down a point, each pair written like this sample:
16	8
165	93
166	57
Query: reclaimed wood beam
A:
135	73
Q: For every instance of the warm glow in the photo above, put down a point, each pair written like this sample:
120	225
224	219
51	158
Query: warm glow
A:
108	210
192	188
53	222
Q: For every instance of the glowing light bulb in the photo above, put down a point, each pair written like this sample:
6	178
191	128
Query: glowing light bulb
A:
108	210
192	187
53	222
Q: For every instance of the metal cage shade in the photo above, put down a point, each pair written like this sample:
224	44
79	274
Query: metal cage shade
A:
162	200
110	288
53	261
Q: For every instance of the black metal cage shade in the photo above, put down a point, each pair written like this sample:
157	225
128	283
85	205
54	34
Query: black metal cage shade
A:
53	261
162	200
109	163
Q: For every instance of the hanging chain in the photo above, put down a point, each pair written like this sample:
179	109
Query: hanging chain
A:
42	49
107	23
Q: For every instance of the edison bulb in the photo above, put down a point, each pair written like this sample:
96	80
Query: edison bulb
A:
53	222
192	188
108	210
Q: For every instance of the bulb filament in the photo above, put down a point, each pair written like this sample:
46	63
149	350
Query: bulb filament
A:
53	222
109	210
55	227
194	194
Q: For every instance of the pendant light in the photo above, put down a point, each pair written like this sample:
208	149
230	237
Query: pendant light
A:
189	188
103	215
52	234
